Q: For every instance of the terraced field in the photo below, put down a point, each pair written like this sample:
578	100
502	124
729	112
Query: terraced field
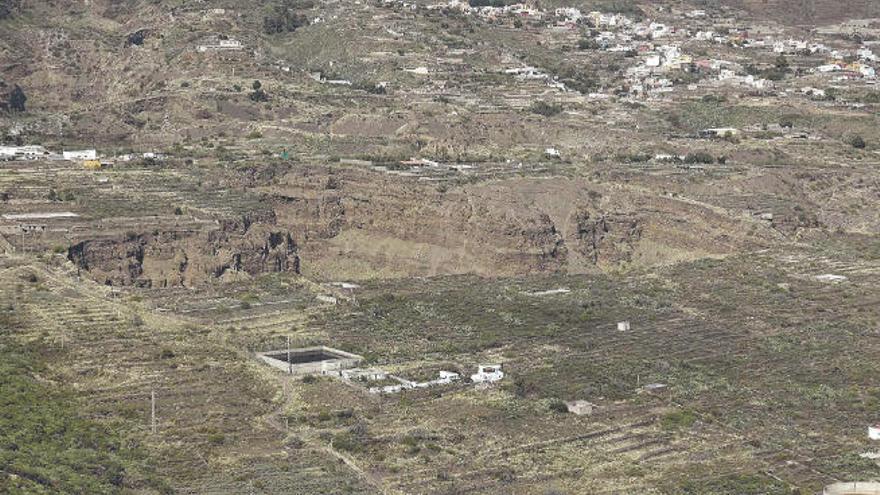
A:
740	369
218	428
767	368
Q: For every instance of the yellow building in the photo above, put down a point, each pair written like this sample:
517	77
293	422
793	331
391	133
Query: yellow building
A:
92	164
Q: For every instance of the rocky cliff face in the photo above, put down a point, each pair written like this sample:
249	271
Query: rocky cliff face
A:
355	223
164	259
607	238
358	217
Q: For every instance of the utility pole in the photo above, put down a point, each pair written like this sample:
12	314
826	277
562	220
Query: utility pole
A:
289	364
153	411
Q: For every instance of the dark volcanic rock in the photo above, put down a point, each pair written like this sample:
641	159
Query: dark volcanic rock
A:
163	259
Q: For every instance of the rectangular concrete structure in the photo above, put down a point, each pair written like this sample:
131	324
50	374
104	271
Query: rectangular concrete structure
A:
311	360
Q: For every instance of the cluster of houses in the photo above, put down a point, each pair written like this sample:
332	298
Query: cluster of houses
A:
657	46
443	378
8	153
486	374
319	77
220	44
534	74
34	152
89	158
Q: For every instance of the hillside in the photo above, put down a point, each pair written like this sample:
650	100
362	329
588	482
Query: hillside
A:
808	13
383	246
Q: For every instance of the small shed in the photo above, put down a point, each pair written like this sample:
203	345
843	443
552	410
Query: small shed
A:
487	373
580	407
80	155
623	326
326	299
719	132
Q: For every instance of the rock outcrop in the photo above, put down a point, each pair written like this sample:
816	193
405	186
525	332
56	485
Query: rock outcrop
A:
173	258
369	224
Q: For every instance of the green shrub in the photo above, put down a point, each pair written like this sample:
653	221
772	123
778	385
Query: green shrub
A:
856	141
588	44
678	420
48	446
354	439
558	406
285	18
699	157
545	109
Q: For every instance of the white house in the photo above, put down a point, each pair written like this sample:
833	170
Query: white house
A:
22	152
444	378
570	13
360	374
874	432
580	407
814	92
487	373
448	376
623	326
828	68
867	54
719	132
658	30
726	74
80	155
222	45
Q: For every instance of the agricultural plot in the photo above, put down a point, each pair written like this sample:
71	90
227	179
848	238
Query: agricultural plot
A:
735	372
217	428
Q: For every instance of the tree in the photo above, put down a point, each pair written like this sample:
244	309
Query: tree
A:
7	7
558	406
284	18
17	99
546	109
781	62
699	157
588	44
136	38
258	95
857	142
